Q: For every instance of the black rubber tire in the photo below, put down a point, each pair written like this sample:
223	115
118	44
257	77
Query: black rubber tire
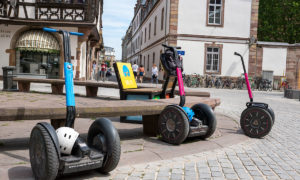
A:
43	156
102	129
263	118
205	113
270	110
173	125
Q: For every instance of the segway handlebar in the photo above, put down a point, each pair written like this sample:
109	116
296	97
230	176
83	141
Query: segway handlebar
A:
166	46
246	77
60	31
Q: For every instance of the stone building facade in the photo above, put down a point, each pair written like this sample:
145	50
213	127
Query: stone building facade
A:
209	31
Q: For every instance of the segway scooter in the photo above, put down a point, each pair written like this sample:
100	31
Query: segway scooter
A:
53	153
258	118
177	122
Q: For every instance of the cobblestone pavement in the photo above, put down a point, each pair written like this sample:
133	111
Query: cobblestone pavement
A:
277	156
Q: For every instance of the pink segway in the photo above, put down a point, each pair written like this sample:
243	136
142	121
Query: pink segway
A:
258	118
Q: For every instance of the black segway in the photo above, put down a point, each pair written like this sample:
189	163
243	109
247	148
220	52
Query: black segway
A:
258	118
177	122
59	152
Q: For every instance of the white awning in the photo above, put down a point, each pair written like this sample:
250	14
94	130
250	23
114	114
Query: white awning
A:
37	40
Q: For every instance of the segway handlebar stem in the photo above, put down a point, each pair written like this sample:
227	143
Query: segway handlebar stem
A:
246	77
68	71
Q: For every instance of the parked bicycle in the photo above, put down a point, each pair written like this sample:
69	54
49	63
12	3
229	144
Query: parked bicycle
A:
265	85
227	83
218	82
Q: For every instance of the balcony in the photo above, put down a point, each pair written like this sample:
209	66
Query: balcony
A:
51	12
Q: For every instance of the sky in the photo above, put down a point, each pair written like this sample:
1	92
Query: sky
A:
117	15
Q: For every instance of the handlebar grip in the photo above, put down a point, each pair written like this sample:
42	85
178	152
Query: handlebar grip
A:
178	47
50	30
76	33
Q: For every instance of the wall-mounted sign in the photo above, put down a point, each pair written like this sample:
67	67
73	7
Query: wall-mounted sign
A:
181	53
5	33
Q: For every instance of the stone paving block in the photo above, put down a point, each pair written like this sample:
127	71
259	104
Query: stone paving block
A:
162	178
258	178
216	174
251	168
120	176
213	163
204	175
203	170
226	165
228	170
255	173
218	178
177	171
215	168
264	168
176	176
231	176
133	178
284	176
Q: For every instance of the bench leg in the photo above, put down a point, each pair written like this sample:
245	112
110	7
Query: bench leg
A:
24	86
57	88
57	123
91	91
150	125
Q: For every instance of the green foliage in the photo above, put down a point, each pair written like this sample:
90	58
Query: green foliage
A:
279	20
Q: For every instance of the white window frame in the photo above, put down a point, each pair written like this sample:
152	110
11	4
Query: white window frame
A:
211	70
215	5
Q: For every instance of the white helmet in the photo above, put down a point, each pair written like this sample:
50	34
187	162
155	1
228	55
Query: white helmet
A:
66	138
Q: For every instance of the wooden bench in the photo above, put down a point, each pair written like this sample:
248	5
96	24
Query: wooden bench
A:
57	85
47	106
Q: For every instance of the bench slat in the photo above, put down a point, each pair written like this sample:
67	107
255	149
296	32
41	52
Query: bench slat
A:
104	109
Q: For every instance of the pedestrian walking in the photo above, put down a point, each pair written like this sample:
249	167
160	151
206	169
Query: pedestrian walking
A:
103	71
141	73
154	74
94	69
135	68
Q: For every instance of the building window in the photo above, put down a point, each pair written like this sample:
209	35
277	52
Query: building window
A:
155	22
144	61
160	65
162	19
215	12
142	39
145	34
153	58
213	58
149	30
148	64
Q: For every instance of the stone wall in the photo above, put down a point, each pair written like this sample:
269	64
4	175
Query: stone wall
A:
253	33
173	22
292	67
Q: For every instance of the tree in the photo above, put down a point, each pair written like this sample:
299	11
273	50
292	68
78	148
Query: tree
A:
279	20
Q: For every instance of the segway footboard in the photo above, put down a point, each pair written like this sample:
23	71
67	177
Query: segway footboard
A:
71	164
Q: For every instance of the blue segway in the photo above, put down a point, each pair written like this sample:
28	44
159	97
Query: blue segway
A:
54	153
177	122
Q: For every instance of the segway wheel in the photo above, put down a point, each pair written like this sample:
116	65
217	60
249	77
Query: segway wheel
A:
103	136
270	110
173	125
205	113
256	122
43	156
